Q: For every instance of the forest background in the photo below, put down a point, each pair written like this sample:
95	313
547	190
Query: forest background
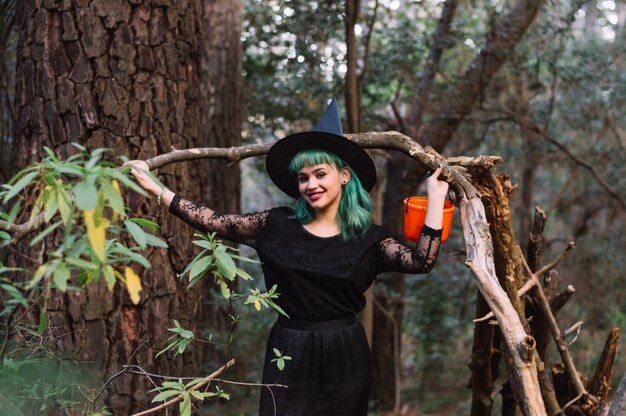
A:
254	71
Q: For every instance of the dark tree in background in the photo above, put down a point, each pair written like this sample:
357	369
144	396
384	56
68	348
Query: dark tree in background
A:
121	75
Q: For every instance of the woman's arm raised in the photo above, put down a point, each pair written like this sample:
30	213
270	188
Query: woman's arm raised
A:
399	257
234	227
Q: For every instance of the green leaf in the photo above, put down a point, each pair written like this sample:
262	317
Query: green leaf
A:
70	169
20	185
185	405
280	363
44	233
127	182
109	276
86	196
200	266
5	238
150	225
137	233
15	209
277	308
202	243
225	290
79	146
243	274
64	206
151	240
130	255
226	265
43	321
242	258
61	276
15	294
51	204
80	263
202	395
182	344
113	196
165	395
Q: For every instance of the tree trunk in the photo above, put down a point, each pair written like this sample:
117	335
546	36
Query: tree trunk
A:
221	83
121	75
481	363
352	94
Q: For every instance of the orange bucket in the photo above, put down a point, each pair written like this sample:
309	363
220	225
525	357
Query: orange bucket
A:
415	214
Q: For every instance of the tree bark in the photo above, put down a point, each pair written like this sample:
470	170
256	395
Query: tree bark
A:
122	76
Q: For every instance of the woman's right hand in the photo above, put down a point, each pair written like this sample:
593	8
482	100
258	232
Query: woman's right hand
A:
138	170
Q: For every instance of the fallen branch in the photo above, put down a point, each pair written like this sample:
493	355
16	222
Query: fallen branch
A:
195	387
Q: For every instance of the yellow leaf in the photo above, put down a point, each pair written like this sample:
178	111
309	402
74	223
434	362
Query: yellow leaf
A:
96	234
257	305
133	284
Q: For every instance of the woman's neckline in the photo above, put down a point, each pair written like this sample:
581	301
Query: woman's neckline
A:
318	236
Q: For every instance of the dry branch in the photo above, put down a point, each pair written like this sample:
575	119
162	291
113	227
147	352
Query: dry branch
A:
544	308
601	381
535	239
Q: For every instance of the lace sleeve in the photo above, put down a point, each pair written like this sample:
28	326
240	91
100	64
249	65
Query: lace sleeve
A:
401	258
234	227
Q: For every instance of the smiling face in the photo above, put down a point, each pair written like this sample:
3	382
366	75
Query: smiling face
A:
321	186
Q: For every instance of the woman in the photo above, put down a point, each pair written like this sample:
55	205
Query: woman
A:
323	254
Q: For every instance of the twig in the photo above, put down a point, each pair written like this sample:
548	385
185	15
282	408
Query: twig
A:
195	387
545	269
530	283
571	402
574	328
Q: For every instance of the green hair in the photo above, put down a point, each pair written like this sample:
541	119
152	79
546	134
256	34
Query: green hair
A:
354	216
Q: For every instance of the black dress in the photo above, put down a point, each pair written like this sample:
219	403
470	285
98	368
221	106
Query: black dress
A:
319	279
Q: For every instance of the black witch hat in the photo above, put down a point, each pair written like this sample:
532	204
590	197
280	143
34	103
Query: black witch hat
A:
326	135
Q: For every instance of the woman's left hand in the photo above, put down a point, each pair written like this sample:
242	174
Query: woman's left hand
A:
436	188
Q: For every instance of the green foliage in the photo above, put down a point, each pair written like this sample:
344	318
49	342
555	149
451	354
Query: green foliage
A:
80	198
179	341
171	389
280	359
265	299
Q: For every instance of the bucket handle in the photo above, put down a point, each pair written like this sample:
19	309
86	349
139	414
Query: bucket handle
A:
429	173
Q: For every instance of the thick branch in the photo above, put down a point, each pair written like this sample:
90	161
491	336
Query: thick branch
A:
535	239
601	381
440	43
459	102
390	140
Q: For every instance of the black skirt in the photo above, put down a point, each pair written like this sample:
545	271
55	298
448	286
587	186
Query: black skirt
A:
328	374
